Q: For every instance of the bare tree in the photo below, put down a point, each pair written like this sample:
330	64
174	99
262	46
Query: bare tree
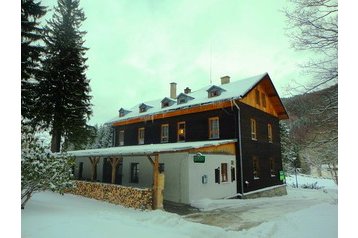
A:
312	26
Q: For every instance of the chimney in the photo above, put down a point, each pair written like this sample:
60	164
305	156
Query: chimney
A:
173	90
225	80
187	90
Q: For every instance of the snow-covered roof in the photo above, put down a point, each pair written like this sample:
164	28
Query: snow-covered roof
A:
147	149
233	90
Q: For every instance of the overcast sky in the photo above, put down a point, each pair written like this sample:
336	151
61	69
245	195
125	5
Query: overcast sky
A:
136	48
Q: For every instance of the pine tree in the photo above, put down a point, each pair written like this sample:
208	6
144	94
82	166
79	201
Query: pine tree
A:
40	169
31	34
63	104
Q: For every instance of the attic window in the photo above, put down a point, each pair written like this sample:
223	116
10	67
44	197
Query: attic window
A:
143	108
183	98
214	91
166	102
123	112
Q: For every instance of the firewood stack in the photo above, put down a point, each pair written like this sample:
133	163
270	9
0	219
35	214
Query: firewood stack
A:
125	196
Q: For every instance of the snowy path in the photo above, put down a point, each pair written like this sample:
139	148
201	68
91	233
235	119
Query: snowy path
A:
244	214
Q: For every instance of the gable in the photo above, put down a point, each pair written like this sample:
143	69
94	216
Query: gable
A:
268	99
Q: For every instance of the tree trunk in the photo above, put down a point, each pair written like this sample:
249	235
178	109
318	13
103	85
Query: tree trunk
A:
56	140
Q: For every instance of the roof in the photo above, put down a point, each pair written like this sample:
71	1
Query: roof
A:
149	149
233	90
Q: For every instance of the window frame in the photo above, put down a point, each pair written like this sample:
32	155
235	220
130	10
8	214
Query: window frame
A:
134	173
121	138
140	139
253	126
272	167
256	167
224	173
214	134
263	99
162	136
257	97
269	133
184	131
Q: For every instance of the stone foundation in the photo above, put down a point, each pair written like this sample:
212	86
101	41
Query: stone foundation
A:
267	192
125	196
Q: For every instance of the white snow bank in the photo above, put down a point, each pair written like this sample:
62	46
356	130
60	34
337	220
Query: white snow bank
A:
305	179
314	222
52	215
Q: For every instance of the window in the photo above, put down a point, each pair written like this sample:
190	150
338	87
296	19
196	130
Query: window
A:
121	138
181	131
80	171
233	174
253	129
213	94
224	177
257	96
217	175
164	135
214	128
256	168
272	167
269	132
263	99
134	173
141	136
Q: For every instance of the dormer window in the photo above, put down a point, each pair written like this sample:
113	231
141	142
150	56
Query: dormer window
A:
123	112
144	107
214	91
166	102
183	98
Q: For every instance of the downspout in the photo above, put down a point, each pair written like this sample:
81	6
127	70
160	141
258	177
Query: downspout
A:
240	148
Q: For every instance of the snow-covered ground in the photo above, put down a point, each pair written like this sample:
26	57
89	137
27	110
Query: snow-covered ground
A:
302	213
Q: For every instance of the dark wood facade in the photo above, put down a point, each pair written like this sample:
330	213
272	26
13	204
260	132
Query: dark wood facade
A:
197	129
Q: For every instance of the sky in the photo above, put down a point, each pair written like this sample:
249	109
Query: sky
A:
137	48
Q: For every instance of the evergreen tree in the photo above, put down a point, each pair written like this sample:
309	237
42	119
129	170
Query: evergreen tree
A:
63	104
103	137
40	169
31	34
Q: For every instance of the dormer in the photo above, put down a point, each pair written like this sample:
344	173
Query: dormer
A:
144	107
183	98
123	112
214	91
167	102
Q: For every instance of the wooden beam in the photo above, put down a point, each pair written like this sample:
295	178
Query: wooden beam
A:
94	162
114	163
155	182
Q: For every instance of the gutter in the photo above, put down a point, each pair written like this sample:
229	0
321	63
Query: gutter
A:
240	147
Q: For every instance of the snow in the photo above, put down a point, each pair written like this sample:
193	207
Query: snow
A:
232	90
302	213
148	149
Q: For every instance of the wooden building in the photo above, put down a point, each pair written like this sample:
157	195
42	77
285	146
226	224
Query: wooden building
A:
236	128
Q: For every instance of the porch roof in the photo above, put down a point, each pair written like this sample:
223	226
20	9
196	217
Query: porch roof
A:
149	149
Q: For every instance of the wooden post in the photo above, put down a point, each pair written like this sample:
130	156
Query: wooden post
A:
158	184
155	181
94	162
114	163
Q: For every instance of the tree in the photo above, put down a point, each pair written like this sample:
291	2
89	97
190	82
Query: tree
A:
63	103
313	27
103	137
40	169
31	50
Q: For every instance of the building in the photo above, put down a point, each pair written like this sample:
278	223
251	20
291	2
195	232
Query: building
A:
216	142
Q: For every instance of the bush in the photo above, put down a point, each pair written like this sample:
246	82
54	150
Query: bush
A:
41	169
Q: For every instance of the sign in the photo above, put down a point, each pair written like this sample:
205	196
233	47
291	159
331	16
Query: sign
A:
199	158
282	175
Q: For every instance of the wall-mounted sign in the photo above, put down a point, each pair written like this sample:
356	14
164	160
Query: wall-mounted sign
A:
282	175
199	158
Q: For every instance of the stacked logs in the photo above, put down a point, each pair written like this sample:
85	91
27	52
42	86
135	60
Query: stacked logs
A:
125	196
